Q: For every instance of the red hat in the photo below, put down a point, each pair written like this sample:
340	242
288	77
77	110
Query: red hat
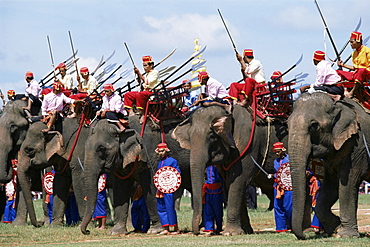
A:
109	87
162	145
11	92
356	36
84	70
14	162
45	91
57	85
147	59
319	55
61	65
278	145
276	74
29	74
185	81
202	75
248	53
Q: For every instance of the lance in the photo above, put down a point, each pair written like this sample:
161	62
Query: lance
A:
328	32
133	64
255	162
102	63
70	39
51	56
227	30
108	77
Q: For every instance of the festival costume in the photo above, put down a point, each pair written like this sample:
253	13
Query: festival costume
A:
72	214
326	78
88	86
212	200
101	200
282	199
33	92
189	99
67	81
215	91
115	107
166	202
139	212
10	211
314	185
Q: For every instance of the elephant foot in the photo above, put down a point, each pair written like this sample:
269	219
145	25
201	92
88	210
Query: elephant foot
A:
156	228
346	232
118	229
19	222
233	231
56	224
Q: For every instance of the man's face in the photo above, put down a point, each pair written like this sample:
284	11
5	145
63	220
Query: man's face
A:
186	86
279	153
162	152
62	71
147	67
354	44
204	81
85	75
108	92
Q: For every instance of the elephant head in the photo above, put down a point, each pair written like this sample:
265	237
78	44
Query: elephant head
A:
106	149
318	128
35	152
13	129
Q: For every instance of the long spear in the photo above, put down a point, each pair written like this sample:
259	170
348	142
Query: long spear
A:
227	30
51	56
70	39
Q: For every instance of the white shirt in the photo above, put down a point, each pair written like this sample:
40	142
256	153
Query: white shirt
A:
151	79
33	88
325	74
215	89
89	85
67	81
255	71
54	101
113	103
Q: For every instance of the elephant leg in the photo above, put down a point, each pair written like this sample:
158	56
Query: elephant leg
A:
121	199
146	182
326	199
178	195
78	188
21	218
61	187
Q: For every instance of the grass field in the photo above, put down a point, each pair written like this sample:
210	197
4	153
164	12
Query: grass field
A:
262	222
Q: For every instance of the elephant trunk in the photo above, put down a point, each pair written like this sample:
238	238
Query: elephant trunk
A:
299	150
6	171
25	184
91	176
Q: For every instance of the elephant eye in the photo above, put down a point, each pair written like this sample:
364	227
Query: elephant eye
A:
29	151
314	126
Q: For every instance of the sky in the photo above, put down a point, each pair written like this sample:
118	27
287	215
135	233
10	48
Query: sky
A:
279	32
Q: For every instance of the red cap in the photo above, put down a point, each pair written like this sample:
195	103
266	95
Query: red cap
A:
356	36
45	91
162	145
147	59
248	53
185	81
14	162
29	74
84	70
202	75
319	55
57	85
278	145
11	92
276	74
61	65
108	87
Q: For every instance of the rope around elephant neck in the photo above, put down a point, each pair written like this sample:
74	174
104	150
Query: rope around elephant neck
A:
269	120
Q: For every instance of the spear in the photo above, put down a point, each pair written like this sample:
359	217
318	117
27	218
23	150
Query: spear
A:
227	30
70	39
51	56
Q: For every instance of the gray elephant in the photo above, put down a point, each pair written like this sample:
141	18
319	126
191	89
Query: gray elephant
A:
43	149
336	132
215	137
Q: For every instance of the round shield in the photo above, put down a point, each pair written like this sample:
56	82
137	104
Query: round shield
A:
10	189
167	179
283	177
47	182
101	183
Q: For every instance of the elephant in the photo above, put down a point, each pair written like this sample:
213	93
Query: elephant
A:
108	150
337	132
43	149
217	137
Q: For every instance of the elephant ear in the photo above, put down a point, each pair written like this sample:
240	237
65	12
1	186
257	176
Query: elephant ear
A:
53	143
130	146
346	125
181	133
223	127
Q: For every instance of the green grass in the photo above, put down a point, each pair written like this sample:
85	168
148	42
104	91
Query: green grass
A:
261	220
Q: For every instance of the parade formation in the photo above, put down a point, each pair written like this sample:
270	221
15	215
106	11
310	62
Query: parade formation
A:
165	131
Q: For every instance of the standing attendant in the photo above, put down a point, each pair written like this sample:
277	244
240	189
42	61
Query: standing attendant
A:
166	201
100	212
139	212
282	189
360	71
252	72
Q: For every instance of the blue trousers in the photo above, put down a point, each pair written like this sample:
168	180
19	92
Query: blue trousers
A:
100	208
140	216
166	210
9	212
283	211
72	215
213	212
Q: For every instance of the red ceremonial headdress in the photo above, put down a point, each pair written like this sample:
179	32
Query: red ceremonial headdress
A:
84	70
29	74
248	53
162	145
185	81
147	59
319	55
11	92
108	87
57	85
202	75
276	74
278	145
61	65
45	91
356	36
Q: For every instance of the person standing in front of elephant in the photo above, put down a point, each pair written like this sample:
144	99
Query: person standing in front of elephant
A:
100	212
112	107
166	201
314	184
282	189
212	201
360	71
252	72
139	212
